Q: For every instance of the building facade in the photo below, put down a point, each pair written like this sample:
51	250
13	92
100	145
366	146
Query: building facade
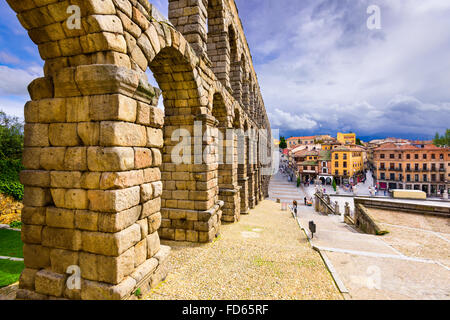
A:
413	168
346	138
298	141
347	164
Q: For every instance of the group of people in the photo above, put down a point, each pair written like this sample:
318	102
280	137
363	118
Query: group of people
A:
307	200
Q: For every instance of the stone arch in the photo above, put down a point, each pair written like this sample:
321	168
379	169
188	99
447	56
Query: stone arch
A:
93	141
100	185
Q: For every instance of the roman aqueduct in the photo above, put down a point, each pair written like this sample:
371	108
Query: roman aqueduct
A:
100	185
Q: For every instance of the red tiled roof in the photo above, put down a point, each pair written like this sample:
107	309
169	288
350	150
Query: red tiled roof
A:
301	138
393	146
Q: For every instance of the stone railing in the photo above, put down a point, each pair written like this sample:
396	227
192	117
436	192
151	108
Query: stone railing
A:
410	207
364	221
324	205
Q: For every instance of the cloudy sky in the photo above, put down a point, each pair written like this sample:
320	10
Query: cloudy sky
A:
320	68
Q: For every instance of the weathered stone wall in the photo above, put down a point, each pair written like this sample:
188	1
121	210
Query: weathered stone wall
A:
364	221
100	186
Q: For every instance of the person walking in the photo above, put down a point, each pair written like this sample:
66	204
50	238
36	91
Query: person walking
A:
295	208
305	201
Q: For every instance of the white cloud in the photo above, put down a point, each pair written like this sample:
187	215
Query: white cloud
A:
285	120
329	68
8	58
13	107
15	81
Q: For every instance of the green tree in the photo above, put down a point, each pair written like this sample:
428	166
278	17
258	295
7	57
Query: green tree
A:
11	137
443	140
298	182
283	144
334	185
358	142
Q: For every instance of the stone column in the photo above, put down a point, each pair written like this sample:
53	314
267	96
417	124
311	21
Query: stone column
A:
92	185
191	207
242	171
229	191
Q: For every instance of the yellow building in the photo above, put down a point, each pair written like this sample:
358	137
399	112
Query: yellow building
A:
346	138
346	162
276	142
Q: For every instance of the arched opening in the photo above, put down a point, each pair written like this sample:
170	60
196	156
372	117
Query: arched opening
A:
251	165
188	189
242	162
227	172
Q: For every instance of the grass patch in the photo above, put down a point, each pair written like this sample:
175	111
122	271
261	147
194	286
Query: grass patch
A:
10	272
261	262
10	243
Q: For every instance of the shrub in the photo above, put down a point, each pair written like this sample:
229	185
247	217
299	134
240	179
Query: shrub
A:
9	178
16	224
11	137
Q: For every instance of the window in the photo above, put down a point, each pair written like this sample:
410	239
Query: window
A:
345	156
392	156
345	172
392	167
416	167
392	176
382	156
336	156
408	166
442	177
399	155
424	166
408	177
382	176
416	177
433	156
336	172
424	177
416	156
408	156
441	156
382	165
345	164
336	164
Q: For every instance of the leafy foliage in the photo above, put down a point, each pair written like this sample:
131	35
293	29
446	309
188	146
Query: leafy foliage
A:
16	224
443	140
283	144
9	178
11	146
11	137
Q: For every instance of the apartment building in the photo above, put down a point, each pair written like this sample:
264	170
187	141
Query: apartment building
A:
347	164
411	167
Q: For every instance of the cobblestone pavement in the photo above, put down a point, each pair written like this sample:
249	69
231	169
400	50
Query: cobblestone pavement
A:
264	256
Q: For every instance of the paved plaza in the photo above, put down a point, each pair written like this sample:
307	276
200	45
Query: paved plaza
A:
411	262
